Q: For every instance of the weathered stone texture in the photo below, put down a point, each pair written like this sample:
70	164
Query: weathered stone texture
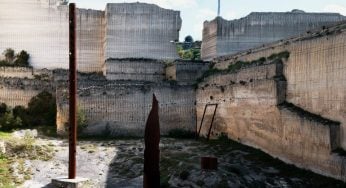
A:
18	91
139	30
90	40
185	72
37	27
253	102
222	37
131	69
251	109
123	30
16	72
122	108
315	71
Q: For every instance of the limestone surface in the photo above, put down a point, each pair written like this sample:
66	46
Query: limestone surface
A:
223	37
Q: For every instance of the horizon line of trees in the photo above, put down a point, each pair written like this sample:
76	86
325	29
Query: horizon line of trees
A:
13	59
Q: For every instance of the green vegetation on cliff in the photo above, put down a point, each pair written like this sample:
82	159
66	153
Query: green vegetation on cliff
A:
238	65
189	49
20	59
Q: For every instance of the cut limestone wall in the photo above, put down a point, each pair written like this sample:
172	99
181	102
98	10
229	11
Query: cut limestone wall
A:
252	109
121	108
123	30
314	72
19	91
140	30
296	114
38	27
186	72
135	69
90	40
222	37
16	72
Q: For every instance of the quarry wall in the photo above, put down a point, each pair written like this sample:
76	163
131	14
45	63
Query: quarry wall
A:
135	69
121	109
19	91
123	30
222	37
139	30
90	40
185	72
296	113
37	27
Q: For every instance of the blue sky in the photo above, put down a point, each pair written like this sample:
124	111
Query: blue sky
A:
195	12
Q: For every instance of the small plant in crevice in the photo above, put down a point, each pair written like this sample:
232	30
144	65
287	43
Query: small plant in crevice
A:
281	55
82	121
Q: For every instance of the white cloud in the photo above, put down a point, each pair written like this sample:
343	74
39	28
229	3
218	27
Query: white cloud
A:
335	8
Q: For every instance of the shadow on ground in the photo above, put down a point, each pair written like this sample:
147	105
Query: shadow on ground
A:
239	166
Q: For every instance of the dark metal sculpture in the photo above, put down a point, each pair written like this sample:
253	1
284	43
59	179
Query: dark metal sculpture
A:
208	163
73	91
152	151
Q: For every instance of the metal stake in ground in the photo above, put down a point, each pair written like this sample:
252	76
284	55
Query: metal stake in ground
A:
152	150
73	91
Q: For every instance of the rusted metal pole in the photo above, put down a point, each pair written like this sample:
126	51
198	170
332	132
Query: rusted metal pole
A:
152	151
73	91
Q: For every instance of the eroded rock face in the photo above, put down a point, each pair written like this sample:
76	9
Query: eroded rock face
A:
295	111
222	37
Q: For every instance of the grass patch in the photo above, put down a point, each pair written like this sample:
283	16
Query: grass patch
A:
6	177
4	135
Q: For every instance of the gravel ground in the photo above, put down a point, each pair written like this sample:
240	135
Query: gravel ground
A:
119	163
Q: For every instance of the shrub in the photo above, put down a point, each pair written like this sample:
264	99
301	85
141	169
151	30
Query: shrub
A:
3	109
42	109
9	55
82	122
8	122
22	59
22	113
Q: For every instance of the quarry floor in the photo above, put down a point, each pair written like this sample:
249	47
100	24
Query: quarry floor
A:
119	163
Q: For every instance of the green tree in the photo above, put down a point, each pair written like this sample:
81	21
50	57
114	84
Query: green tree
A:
188	42
42	109
9	55
3	109
22	113
22	59
8	122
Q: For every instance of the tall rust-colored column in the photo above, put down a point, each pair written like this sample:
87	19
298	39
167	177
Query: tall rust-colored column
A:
152	150
73	91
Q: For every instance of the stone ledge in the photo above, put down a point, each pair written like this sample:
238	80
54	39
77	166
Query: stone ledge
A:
70	183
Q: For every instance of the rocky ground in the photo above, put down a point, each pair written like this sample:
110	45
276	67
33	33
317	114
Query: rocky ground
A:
119	163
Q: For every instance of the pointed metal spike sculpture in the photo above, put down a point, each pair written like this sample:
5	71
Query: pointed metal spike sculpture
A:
152	151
